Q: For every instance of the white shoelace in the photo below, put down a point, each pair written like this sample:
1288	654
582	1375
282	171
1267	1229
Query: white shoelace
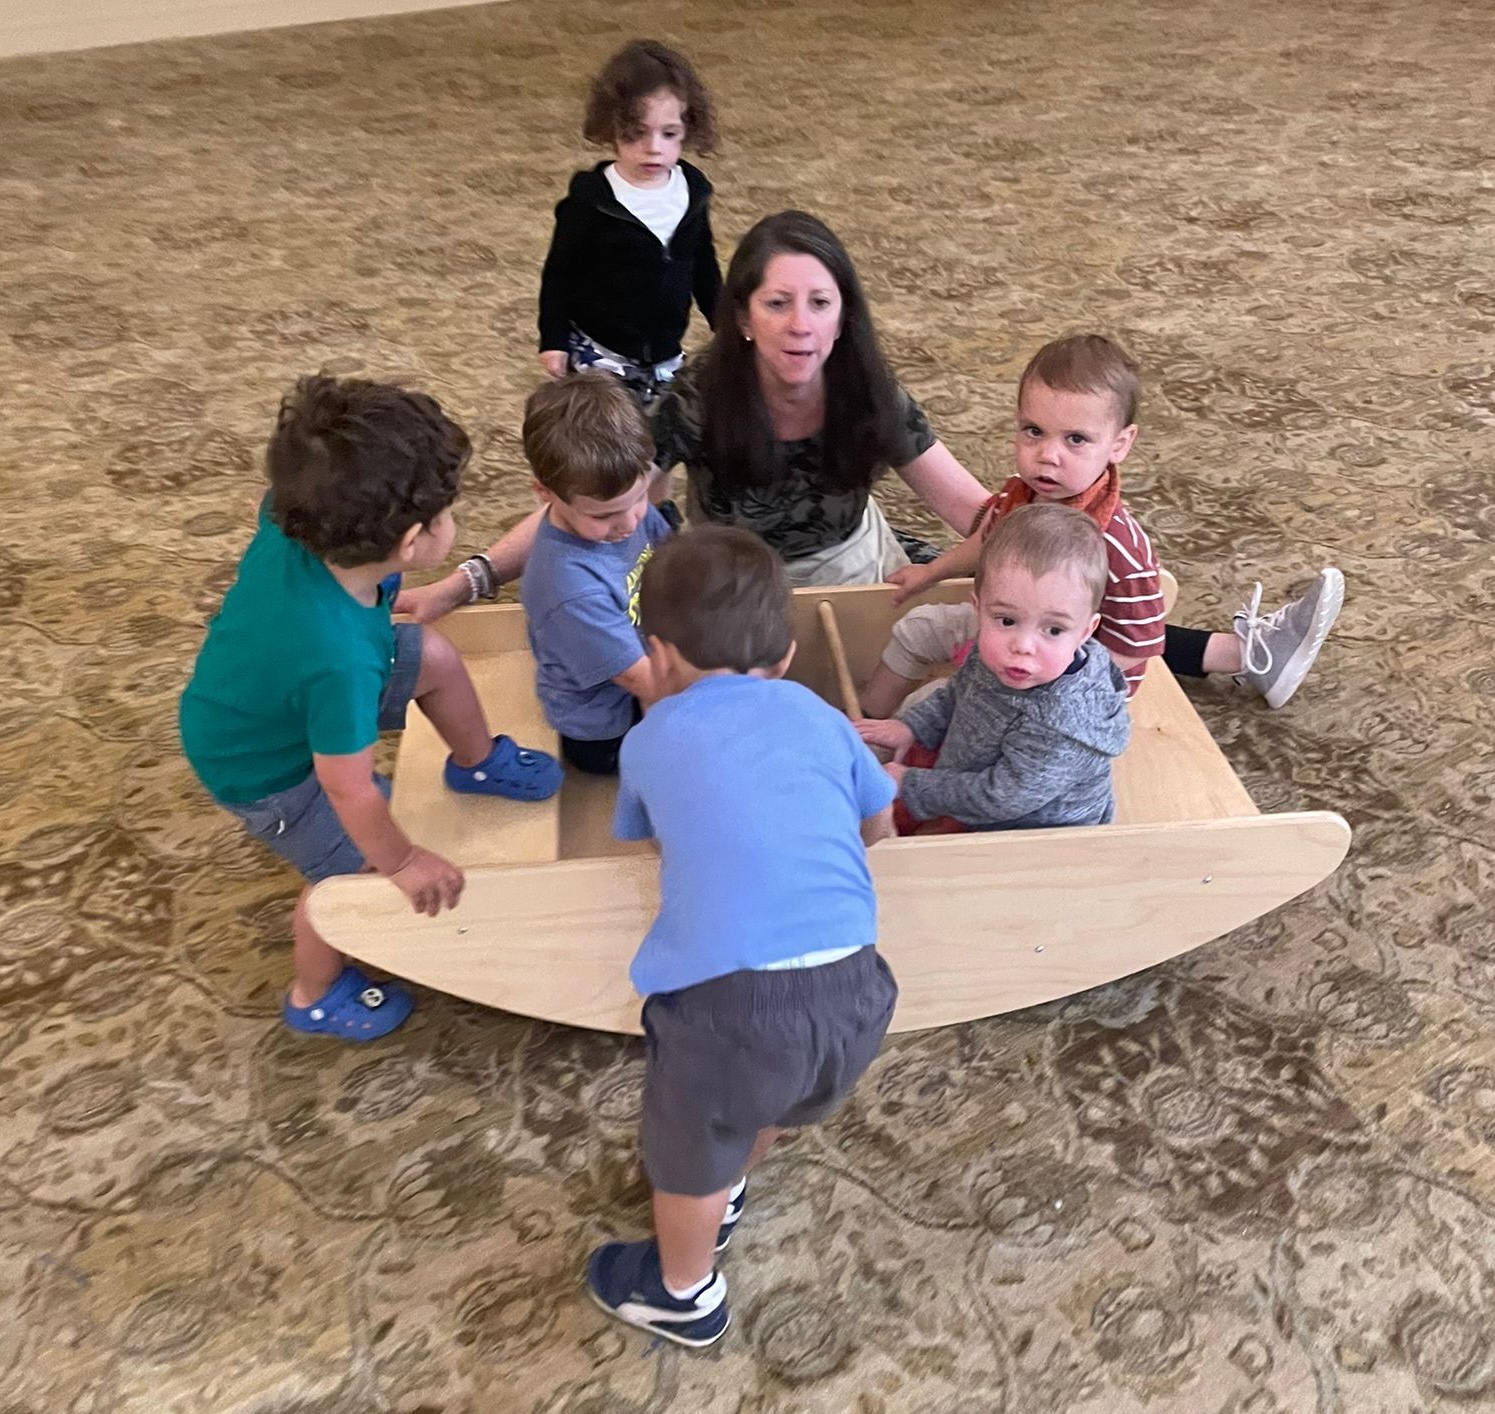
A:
1257	626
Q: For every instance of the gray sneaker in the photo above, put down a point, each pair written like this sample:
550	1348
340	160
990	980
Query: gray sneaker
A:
1277	649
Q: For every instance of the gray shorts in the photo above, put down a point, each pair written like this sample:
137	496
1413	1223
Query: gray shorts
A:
751	1051
299	823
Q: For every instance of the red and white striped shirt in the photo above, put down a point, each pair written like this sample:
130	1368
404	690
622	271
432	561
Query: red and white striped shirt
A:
1131	613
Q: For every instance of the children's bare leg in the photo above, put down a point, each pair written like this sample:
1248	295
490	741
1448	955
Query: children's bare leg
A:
317	963
446	695
885	690
685	1228
765	1141
1222	654
922	639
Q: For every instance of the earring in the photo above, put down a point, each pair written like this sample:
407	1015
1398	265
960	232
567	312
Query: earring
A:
748	337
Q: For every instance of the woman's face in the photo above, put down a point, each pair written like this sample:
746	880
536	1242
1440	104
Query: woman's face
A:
793	319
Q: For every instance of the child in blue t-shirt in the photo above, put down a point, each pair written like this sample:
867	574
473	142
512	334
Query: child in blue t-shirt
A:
590	450
765	998
302	669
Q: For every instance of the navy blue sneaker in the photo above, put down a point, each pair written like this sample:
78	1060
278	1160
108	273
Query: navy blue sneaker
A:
625	1280
509	770
736	1200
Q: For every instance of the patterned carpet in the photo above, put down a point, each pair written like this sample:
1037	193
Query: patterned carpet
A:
1260	1180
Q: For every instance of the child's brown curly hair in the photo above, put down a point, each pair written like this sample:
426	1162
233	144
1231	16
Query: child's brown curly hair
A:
353	465
638	69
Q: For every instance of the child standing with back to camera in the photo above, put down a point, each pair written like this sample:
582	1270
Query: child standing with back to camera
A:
632	244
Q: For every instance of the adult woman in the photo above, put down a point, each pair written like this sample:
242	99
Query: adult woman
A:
792	414
783	425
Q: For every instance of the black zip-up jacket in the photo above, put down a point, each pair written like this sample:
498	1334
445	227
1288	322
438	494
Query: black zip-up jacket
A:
608	274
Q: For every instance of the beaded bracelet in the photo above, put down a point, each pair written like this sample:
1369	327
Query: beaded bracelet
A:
470	574
482	582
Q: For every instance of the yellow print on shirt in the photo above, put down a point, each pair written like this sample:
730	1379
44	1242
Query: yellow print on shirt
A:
634	576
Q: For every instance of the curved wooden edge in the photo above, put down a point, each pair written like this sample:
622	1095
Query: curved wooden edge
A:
972	925
969	935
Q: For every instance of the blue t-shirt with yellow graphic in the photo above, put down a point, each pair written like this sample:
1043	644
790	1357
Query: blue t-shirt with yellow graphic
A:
580	602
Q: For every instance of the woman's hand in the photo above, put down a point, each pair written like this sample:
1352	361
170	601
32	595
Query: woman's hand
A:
433	601
912	580
506	557
554	362
957	563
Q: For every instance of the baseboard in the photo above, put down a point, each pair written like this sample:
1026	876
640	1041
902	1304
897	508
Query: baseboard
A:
92	24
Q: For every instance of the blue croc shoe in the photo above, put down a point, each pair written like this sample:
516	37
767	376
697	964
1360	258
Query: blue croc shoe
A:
510	771
353	1009
625	1280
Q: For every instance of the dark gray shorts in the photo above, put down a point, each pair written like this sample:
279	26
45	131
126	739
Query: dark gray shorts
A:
751	1051
299	823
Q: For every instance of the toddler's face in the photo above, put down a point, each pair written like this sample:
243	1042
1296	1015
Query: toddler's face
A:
1029	629
601	521
648	154
434	543
1065	440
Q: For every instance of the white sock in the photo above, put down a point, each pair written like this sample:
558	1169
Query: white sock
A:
691	1292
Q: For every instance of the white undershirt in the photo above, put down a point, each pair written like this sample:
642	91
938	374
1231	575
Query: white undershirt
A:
818	958
659	208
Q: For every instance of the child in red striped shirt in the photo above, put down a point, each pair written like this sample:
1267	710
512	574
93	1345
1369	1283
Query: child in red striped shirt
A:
1076	422
1077	403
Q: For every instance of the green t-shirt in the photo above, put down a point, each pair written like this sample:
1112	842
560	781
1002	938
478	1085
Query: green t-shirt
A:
292	665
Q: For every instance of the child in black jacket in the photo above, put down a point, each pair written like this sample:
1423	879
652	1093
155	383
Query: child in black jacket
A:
632	243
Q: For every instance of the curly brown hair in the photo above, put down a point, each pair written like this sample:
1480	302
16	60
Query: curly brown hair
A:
615	103
353	465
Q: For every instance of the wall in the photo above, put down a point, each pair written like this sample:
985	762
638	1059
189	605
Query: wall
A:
28	27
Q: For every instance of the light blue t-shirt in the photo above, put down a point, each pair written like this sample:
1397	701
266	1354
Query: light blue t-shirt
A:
756	792
580	602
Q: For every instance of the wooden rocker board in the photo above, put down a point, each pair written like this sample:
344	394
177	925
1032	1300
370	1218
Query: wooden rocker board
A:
972	925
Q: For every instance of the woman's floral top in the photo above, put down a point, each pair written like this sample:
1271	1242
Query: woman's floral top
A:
795	515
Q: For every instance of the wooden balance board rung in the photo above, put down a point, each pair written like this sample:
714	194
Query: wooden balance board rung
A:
973	925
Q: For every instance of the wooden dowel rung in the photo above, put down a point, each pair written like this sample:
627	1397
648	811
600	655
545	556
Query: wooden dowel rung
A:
849	699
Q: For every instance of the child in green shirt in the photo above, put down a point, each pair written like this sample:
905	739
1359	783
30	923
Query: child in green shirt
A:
302	669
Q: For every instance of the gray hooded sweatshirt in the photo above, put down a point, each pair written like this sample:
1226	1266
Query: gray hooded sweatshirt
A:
1020	759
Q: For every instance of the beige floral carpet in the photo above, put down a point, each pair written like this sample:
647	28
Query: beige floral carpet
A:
1259	1180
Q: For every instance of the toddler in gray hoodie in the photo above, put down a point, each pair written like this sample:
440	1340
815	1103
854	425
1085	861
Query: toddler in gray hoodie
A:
1024	733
